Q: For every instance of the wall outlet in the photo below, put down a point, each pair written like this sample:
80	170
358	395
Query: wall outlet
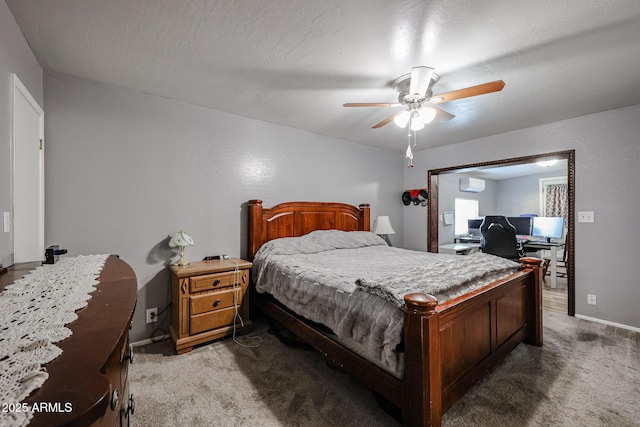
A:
152	314
591	299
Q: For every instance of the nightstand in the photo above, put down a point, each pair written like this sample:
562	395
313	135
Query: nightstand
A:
205	296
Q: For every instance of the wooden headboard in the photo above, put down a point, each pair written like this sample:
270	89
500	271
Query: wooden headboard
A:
294	219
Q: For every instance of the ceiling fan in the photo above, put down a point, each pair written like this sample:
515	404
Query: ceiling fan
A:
416	93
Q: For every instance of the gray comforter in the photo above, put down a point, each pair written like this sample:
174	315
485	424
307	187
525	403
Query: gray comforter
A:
353	283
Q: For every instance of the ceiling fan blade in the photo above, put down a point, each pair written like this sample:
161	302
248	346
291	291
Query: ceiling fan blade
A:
386	121
468	92
370	104
420	79
441	114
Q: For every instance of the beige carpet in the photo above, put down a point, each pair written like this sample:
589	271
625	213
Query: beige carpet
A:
586	374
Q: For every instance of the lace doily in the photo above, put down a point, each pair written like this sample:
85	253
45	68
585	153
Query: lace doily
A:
33	312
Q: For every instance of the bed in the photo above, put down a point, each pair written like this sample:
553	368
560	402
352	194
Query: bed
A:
446	346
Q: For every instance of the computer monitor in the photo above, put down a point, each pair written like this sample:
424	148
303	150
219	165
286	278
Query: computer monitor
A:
548	227
522	224
474	226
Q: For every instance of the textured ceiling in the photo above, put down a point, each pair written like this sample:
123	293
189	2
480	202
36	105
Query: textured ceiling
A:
296	62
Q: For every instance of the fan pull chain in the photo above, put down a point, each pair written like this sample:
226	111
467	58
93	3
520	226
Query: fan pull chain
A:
409	154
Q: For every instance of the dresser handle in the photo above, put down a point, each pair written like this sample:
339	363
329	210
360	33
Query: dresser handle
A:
115	399
130	355
216	303
132	405
216	282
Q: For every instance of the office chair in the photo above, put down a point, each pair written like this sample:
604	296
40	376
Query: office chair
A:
530	250
499	237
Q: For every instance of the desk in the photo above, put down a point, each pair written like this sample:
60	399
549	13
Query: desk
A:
553	248
467	239
458	248
465	245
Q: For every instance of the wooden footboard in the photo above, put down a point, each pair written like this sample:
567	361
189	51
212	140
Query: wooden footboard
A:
447	347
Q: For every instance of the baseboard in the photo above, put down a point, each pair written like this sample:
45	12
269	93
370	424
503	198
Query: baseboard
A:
606	322
148	340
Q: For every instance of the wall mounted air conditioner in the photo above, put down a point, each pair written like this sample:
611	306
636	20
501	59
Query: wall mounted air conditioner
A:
471	185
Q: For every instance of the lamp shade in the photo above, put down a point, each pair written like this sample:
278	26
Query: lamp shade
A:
427	114
383	226
416	122
402	119
180	240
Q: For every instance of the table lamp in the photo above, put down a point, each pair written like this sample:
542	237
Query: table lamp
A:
383	228
180	240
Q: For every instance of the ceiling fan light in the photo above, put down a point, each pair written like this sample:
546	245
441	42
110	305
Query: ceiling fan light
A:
416	122
427	114
547	163
402	119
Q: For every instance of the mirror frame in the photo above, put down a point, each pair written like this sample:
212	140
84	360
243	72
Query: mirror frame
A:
569	155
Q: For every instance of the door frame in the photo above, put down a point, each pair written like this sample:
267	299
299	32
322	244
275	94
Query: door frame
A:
569	155
18	86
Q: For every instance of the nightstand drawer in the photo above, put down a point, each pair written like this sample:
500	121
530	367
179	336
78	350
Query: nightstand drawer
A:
215	300
211	320
217	280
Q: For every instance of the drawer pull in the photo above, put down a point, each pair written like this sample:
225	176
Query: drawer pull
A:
216	303
132	405
115	399
216	282
130	355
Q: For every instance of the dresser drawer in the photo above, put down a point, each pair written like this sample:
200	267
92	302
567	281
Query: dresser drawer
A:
117	370
211	320
205	303
217	280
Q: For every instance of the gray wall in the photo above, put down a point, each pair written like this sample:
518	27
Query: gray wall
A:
449	185
125	170
521	195
508	197
15	57
607	182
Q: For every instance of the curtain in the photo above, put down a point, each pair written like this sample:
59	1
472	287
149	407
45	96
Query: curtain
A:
556	203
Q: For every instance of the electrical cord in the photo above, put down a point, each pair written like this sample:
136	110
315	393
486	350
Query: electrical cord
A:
236	289
153	337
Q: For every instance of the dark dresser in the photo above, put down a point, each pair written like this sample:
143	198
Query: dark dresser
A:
88	383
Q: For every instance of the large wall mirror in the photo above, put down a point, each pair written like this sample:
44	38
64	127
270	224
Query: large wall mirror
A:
511	187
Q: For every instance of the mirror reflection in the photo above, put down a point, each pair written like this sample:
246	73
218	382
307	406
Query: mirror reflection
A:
534	198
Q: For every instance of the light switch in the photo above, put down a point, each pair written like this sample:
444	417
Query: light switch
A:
7	222
585	216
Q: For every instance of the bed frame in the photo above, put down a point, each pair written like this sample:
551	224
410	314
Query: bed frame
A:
448	347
